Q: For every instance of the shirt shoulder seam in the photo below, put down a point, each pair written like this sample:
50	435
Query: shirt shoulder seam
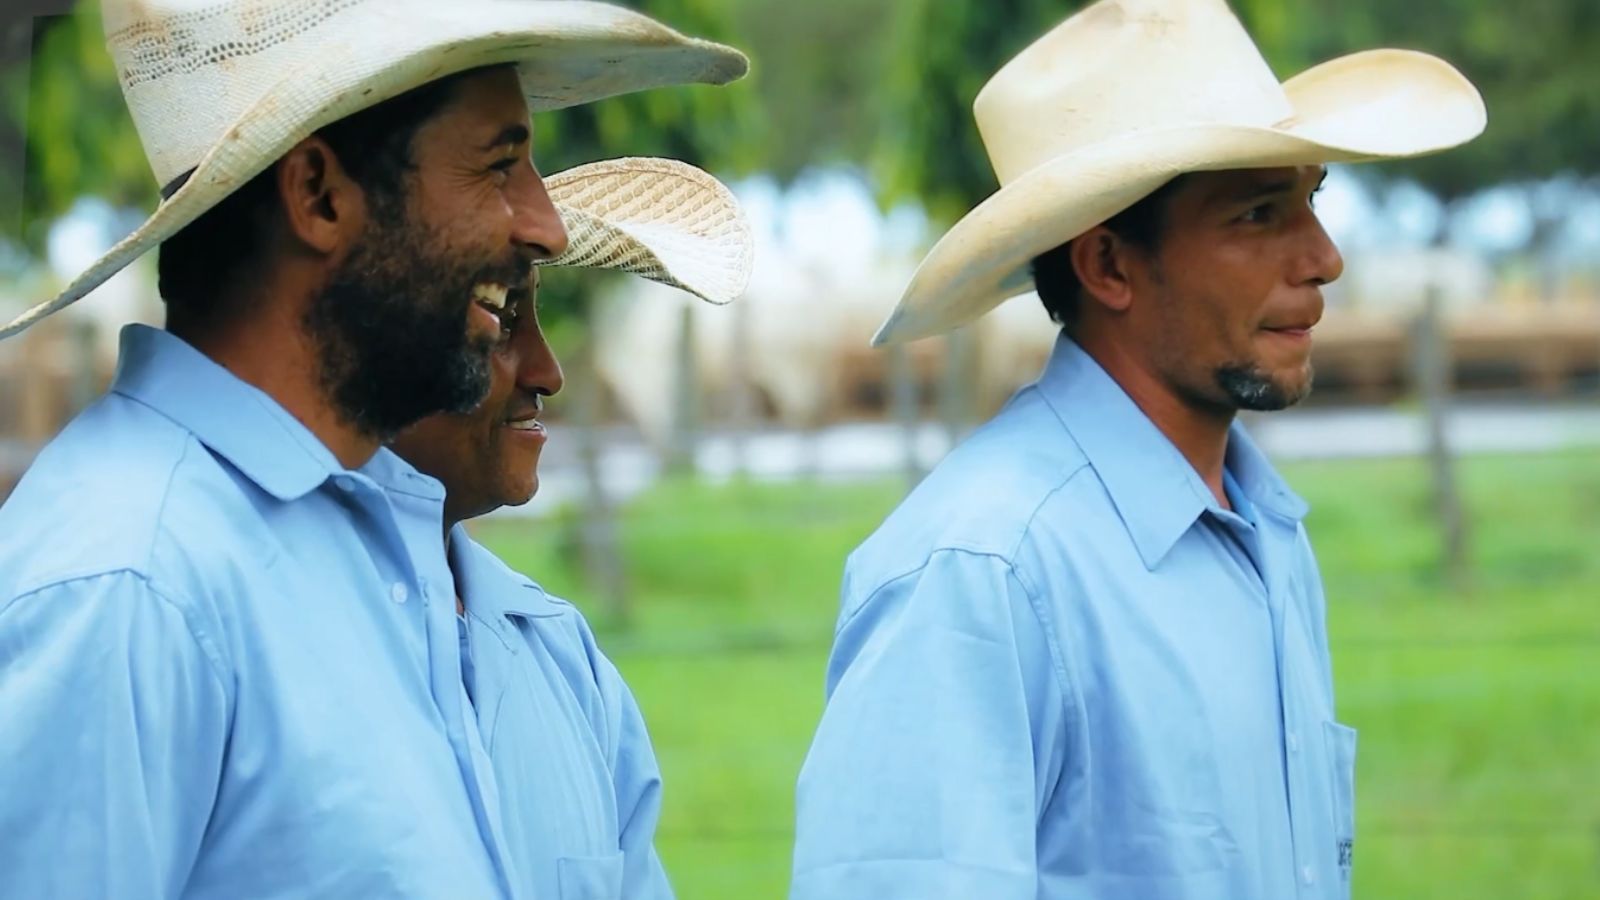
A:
208	648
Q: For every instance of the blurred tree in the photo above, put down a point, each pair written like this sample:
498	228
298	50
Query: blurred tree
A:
77	135
1533	60
80	139
813	67
716	128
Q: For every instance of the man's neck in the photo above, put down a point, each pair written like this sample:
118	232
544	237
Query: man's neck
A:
461	606
271	352
1199	432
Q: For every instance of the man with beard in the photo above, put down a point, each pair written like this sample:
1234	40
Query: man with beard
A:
228	656
580	792
1087	656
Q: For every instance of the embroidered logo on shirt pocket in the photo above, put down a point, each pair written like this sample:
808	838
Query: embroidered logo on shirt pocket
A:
1341	742
590	877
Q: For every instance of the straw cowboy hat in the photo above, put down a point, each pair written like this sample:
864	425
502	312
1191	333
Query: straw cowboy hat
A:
1127	94
220	91
656	218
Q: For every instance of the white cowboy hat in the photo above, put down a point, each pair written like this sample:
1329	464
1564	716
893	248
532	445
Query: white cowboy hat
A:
656	218
1127	94
220	91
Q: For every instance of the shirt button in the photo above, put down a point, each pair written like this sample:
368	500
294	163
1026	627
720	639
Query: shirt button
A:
1308	875
398	592
1294	743
345	484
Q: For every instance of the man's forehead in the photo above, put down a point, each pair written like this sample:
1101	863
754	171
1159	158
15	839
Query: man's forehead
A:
488	108
1235	184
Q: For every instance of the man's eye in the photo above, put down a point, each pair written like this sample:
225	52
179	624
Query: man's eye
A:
1258	214
505	166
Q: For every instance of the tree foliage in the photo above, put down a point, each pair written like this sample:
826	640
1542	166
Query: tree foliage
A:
1537	63
716	128
1534	62
80	139
77	135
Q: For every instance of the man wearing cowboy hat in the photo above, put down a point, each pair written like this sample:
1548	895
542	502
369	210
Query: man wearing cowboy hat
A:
229	659
1086	658
580	792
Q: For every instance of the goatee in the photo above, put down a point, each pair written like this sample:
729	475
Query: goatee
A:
1247	387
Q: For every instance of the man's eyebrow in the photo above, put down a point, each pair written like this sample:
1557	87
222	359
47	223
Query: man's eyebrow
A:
1261	190
511	134
1250	193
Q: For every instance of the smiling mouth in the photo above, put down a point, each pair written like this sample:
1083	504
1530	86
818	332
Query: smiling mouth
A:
491	296
526	418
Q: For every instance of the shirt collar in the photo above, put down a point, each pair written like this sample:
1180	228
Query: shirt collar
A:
1156	492
1258	480
491	589
238	421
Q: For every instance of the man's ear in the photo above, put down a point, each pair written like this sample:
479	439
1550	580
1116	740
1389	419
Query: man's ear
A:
323	207
1101	259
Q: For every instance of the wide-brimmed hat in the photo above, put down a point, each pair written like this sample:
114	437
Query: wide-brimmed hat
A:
656	218
1126	95
219	91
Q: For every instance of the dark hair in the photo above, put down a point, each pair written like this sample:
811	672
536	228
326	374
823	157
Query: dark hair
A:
373	145
1057	281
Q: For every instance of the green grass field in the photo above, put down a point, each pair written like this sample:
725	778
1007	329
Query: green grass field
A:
1479	708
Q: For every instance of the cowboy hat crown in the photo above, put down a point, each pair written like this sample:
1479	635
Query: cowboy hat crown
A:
1074	88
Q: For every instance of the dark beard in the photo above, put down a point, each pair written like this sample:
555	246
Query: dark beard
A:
1247	388
390	330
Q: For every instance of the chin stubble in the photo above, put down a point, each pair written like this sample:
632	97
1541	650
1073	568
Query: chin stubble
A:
1248	388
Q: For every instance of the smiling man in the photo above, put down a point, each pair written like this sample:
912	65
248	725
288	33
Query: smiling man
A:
1086	658
228	653
580	792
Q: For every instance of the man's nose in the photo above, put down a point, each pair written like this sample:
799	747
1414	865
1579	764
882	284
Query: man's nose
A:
1320	258
536	225
538	370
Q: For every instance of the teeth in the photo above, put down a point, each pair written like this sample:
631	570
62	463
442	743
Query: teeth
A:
491	295
524	425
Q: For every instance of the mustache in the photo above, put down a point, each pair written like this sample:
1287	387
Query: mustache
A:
517	275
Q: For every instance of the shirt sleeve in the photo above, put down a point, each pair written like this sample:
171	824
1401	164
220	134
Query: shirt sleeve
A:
939	746
115	721
636	778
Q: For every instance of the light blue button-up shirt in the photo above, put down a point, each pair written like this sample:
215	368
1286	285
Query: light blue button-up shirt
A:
229	667
1062	670
580	788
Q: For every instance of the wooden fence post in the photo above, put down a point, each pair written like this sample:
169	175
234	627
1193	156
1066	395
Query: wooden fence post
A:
903	401
1433	378
598	546
683	436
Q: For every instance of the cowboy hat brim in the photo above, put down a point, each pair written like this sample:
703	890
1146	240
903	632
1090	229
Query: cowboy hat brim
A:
1373	105
568	52
660	219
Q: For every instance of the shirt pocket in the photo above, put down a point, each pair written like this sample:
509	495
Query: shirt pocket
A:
1341	742
590	877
